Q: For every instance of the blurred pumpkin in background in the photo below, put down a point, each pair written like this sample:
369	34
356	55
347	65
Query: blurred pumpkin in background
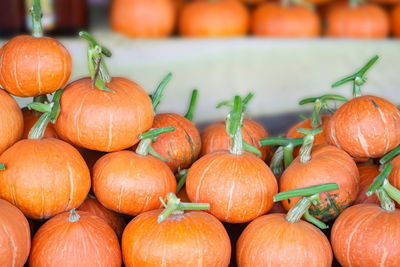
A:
219	18
388	2
143	18
395	21
277	20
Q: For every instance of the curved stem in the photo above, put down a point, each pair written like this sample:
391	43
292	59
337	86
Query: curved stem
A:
174	204
315	221
386	202
305	150
40	107
158	94
181	177
249	148
276	161
36	13
93	43
288	155
297	211
144	148
392	191
306	192
390	156
73	216
379	180
281	141
192	105
39	128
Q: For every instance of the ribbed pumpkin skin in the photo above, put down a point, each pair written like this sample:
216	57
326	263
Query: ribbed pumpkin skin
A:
143	18
182	146
32	66
368	173
88	242
274	20
15	236
43	177
11	121
328	164
114	220
29	121
395	20
364	130
104	121
222	18
366	235
238	188
270	240
214	137
129	183
363	21
194	238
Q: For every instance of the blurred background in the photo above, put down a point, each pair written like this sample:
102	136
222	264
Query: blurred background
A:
282	51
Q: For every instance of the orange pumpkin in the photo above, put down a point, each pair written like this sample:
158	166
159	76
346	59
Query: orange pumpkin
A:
214	137
368	173
238	185
275	20
394	176
143	18
30	118
318	2
11	121
75	239
395	21
107	117
221	18
114	220
192	238
34	65
325	164
386	2
132	182
15	236
361	21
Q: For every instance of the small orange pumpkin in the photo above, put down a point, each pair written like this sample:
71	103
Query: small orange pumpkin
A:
368	173
30	119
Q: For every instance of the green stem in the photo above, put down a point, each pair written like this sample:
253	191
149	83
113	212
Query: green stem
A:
175	206
190	113
315	221
298	210
234	127
288	155
181	176
94	43
390	156
305	150
357	78
158	94
306	192
392	191
249	148
245	102
386	202
379	180
41	99
144	148
276	161
36	13
2	167
73	216
281	141
40	107
39	128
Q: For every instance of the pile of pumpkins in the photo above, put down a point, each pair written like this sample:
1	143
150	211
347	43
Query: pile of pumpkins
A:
262	18
96	155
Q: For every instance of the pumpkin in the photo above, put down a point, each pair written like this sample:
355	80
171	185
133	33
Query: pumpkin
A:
159	238
275	20
15	236
318	2
75	239
182	195
238	185
107	117
366	126
43	177
386	2
395	21
221	18
284	240
368	234
34	65
368	173
30	118
357	21
132	182
114	220
143	18
324	164
11	121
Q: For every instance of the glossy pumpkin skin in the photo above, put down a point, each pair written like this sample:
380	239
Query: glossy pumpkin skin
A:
104	121
365	127
43	177
129	183
222	18
214	137
328	164
366	235
182	146
87	242
30	118
194	238
31	66
363	21
143	18
270	240
395	21
274	20
114	220
368	173
15	236
11	121
238	188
